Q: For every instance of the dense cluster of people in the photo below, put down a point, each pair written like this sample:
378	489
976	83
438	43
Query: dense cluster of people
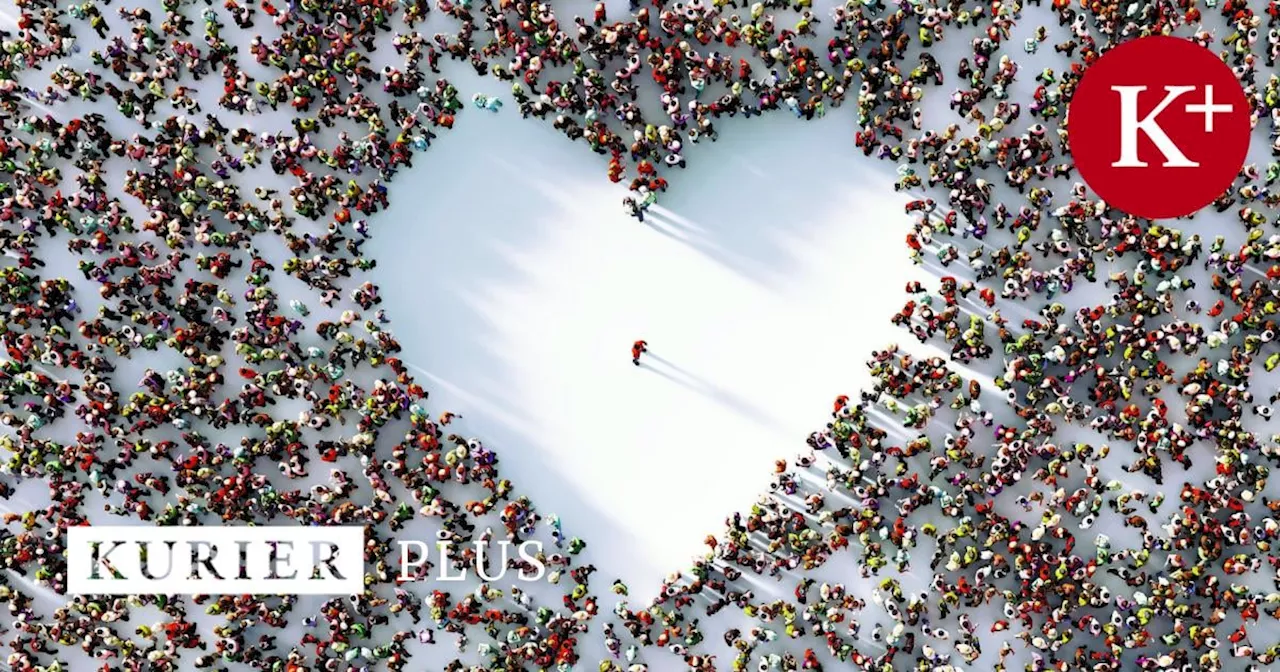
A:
189	208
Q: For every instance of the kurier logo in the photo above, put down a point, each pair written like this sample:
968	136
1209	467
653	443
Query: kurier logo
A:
271	560
215	560
1159	127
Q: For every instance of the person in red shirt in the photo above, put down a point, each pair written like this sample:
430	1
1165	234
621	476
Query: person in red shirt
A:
638	348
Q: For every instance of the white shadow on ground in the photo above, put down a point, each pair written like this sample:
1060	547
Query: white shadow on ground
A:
517	284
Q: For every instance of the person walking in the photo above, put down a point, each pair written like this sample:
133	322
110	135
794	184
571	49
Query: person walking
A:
638	348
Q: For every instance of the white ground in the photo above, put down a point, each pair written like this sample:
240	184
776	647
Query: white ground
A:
517	284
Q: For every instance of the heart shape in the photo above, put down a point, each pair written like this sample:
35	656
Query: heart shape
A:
518	305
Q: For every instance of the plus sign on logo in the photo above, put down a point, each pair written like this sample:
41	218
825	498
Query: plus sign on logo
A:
1159	127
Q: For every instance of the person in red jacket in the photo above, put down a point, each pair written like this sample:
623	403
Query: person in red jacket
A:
638	348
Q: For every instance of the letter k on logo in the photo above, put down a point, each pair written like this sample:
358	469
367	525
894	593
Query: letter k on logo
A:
1159	127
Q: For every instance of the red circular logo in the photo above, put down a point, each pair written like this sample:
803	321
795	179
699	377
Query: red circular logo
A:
1159	127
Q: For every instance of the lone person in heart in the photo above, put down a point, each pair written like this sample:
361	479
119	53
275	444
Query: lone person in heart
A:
638	348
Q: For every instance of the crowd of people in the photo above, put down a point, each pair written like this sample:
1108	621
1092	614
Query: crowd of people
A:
1049	416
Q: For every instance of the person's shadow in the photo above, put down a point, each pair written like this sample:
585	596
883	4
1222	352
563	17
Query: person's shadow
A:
727	398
